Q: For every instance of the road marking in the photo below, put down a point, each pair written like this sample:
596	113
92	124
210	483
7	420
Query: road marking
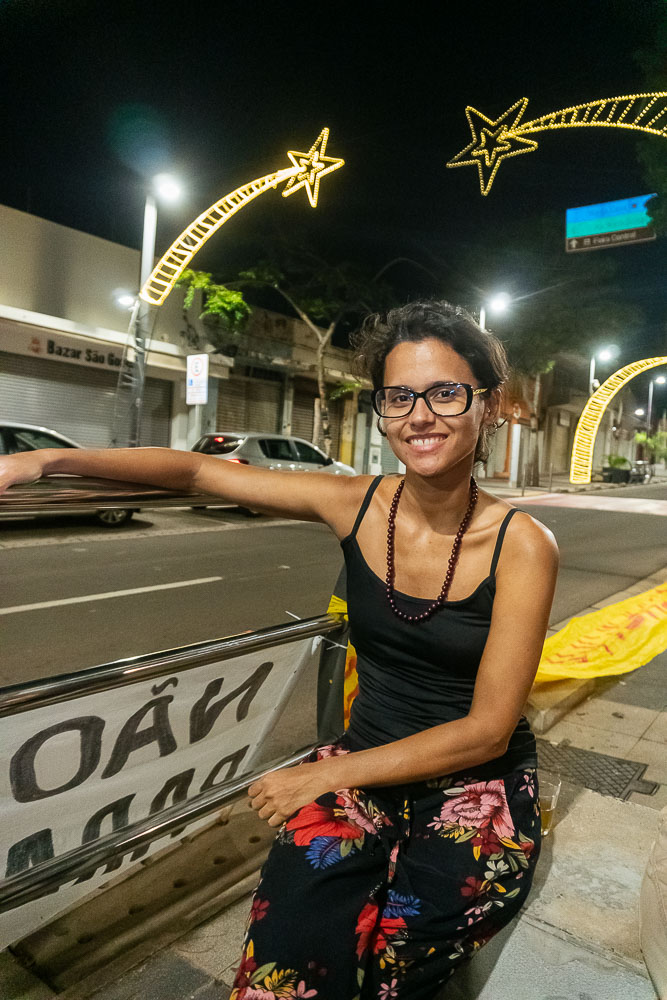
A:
622	505
109	594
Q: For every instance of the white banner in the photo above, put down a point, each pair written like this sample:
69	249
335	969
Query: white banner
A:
196	390
73	772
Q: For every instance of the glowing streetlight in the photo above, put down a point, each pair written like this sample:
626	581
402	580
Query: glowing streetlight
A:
498	303
605	354
640	412
124	299
167	187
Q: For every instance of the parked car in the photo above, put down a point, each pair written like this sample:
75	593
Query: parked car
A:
16	437
272	451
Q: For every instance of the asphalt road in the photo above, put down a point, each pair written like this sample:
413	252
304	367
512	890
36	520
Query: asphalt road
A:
232	573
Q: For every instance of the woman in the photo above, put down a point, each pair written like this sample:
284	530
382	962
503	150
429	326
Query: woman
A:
412	839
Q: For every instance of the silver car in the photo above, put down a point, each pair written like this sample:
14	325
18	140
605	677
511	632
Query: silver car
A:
273	451
16	437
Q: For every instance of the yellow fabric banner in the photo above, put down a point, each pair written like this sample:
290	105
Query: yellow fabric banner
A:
610	641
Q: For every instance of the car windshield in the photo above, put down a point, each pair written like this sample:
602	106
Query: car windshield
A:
218	444
29	440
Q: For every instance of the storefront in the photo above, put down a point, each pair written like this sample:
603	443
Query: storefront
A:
68	383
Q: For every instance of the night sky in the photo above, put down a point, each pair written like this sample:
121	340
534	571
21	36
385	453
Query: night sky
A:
97	96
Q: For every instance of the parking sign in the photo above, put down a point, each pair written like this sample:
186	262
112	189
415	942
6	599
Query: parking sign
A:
196	391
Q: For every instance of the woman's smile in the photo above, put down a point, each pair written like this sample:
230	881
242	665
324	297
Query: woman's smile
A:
425	443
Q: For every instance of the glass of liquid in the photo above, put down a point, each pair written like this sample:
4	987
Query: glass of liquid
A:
549	785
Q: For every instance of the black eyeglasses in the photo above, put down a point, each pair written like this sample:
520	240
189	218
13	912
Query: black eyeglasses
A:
446	399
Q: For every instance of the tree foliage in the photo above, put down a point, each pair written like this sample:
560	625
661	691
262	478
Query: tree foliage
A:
225	312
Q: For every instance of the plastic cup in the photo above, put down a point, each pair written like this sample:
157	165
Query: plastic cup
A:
549	785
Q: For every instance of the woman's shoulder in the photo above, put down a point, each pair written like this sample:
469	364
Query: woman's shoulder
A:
524	535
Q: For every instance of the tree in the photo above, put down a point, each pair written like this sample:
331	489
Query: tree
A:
225	312
560	303
323	296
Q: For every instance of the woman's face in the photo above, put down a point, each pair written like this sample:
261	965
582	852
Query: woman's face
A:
426	443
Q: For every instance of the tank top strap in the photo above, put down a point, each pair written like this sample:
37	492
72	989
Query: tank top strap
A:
364	507
499	541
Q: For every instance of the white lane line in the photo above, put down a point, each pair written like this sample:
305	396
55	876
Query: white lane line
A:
109	594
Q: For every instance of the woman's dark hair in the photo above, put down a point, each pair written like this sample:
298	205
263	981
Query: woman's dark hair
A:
417	321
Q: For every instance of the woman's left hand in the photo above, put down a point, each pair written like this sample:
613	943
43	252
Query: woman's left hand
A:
279	794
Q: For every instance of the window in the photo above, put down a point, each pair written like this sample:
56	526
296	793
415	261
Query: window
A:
28	440
307	453
278	448
218	444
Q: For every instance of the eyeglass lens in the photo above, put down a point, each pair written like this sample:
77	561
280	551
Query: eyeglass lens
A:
445	400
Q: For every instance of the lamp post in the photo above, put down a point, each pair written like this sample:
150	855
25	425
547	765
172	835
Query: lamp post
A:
606	354
498	304
168	189
649	410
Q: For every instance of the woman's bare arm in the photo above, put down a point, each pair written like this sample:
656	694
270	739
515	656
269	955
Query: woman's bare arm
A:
308	496
526	579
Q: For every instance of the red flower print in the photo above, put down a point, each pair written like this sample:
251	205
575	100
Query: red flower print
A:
320	821
487	841
473	886
373	935
245	970
479	805
259	908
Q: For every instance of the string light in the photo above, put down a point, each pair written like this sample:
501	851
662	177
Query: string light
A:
496	140
589	421
307	171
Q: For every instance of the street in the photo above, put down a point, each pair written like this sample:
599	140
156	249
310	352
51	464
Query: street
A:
208	574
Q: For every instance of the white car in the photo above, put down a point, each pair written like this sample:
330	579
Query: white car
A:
16	436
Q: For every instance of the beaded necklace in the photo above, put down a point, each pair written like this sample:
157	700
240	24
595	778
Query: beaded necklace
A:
453	559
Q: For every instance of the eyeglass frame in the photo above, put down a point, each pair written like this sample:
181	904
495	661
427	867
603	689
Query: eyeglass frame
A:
471	392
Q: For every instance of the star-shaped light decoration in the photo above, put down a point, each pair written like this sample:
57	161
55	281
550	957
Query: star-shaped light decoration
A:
312	166
493	142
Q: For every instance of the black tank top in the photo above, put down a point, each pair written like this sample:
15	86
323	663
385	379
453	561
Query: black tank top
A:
416	675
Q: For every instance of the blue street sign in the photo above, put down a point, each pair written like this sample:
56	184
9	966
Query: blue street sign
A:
608	224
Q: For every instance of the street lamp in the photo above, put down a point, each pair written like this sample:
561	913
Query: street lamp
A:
606	354
498	304
167	188
649	411
640	412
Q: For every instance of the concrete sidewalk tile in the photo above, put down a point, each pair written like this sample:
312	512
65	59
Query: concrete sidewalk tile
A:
613	716
215	947
657	801
655	755
535	964
657	731
587	738
634	691
165	976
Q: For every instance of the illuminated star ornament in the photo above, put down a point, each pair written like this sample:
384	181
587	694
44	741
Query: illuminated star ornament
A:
312	166
495	141
306	172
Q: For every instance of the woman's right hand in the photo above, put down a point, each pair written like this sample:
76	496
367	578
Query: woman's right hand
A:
25	467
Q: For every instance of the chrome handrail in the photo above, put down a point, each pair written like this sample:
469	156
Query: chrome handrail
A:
17	890
37	693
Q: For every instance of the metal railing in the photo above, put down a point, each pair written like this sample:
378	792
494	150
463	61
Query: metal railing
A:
48	876
36	694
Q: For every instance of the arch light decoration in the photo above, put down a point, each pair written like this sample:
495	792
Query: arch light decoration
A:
587	427
306	172
496	140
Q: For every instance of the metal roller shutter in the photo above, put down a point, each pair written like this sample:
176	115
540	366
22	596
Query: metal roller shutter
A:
76	401
263	403
249	404
303	413
231	415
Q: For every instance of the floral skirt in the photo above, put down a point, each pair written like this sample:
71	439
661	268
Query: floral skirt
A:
381	893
